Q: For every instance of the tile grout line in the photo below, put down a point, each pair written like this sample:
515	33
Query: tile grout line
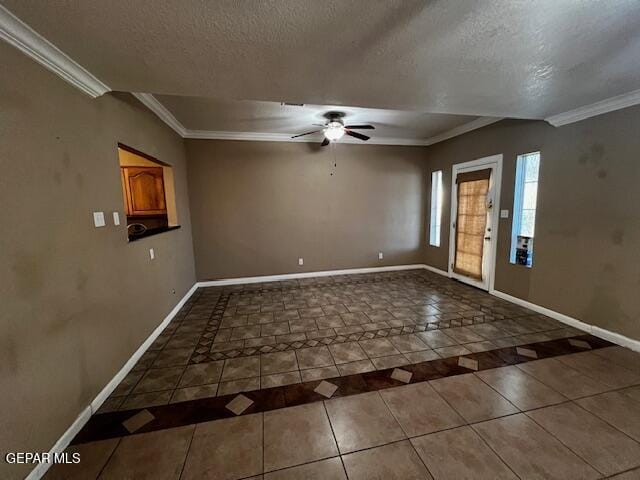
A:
568	368
184	463
592	352
326	412
564	444
527	375
519	412
109	458
470	425
619	391
495	452
571	449
408	437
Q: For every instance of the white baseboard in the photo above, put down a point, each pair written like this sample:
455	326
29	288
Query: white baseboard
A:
616	338
608	335
437	270
115	381
292	276
64	441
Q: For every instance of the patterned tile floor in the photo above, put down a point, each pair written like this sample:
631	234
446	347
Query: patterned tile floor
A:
247	337
396	376
564	416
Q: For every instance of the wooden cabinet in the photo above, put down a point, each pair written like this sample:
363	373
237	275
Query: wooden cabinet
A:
144	191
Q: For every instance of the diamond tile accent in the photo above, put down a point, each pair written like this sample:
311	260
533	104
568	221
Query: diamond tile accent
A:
239	404
401	375
526	352
579	343
326	389
139	420
469	363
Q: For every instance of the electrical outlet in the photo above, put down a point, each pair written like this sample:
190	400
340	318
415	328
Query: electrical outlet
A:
152	254
301	261
380	255
116	218
504	213
98	219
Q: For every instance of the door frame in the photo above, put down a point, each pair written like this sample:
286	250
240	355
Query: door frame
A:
495	162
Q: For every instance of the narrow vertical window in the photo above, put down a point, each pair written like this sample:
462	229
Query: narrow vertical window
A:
524	208
436	208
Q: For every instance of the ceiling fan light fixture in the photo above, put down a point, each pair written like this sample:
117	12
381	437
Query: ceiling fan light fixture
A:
334	131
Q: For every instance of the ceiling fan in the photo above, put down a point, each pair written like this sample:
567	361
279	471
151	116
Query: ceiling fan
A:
335	129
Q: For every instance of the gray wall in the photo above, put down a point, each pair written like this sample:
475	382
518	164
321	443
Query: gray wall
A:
258	206
586	262
75	301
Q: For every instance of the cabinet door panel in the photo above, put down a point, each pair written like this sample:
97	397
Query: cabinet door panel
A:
145	190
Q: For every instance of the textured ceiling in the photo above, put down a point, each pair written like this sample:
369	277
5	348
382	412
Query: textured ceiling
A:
516	58
197	113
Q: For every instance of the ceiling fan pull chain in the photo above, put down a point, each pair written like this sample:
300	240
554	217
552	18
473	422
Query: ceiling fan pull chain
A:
335	161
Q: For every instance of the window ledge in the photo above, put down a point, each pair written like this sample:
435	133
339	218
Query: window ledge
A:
152	232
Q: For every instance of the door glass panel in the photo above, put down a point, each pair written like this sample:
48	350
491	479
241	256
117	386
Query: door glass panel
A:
527	223
470	227
529	196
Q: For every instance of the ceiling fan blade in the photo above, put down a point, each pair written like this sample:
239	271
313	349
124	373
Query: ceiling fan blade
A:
306	133
357	135
360	127
325	142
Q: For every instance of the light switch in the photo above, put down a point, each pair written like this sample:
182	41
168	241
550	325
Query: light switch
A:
380	255
116	218
152	254
301	261
98	219
504	213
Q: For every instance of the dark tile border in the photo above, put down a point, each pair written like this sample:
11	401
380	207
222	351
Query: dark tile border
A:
109	425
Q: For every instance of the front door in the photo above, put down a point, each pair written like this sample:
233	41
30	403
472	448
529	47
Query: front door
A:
474	209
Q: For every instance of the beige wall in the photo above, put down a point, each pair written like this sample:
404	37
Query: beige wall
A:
75	301
586	261
258	206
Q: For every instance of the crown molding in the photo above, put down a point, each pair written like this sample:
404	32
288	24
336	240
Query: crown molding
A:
285	137
20	35
162	112
465	128
604	106
167	117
